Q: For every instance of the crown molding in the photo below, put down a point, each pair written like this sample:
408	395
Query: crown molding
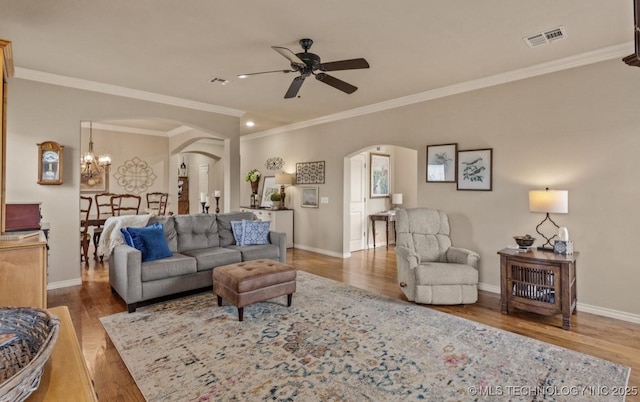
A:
123	129
178	130
584	59
94	86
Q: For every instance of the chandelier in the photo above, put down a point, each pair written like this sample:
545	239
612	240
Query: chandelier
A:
90	164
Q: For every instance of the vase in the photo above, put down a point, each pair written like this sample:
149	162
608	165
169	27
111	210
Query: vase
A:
254	186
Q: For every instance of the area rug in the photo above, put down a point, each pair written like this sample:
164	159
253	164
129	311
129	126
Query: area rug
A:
339	343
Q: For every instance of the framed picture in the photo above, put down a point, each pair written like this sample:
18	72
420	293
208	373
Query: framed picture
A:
379	181
309	197
95	184
269	187
310	172
441	163
50	163
475	169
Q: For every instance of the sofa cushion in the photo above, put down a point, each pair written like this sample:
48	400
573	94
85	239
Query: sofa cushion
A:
176	265
208	258
437	273
255	232
224	225
150	241
196	232
169	227
263	251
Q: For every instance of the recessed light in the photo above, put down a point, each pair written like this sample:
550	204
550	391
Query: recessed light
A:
242	76
250	123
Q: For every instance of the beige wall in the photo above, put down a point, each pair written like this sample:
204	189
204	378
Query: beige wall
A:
39	112
575	130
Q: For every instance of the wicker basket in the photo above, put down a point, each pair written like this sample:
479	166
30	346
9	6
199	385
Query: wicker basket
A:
22	359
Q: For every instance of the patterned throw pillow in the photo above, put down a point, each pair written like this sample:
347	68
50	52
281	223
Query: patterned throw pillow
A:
255	232
236	227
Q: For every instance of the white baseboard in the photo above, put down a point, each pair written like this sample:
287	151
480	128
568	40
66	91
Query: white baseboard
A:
64	284
602	311
321	251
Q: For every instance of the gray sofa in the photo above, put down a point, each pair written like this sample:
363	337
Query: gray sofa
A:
198	244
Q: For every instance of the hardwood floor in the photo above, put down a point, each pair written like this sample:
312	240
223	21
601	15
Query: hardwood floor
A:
373	270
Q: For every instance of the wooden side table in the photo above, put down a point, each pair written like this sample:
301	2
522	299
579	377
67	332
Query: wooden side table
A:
541	282
382	216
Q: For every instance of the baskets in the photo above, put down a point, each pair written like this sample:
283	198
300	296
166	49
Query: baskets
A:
23	356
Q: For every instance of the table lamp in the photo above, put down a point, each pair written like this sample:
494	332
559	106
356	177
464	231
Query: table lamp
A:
548	201
396	200
283	179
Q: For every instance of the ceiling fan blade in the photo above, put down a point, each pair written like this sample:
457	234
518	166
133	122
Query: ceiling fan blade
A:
289	55
351	64
295	87
336	83
265	72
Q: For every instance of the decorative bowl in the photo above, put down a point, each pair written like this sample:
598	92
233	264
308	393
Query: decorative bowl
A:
524	241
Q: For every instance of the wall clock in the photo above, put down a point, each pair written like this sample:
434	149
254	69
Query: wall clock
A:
275	163
50	163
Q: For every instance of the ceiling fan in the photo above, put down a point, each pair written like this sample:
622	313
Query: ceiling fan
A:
307	64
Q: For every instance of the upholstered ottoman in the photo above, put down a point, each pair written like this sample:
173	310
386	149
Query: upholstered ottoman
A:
250	282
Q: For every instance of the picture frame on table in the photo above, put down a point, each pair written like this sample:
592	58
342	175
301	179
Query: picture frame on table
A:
309	197
475	169
441	163
379	180
269	187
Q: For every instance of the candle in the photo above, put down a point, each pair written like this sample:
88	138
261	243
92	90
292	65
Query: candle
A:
216	193
202	198
207	203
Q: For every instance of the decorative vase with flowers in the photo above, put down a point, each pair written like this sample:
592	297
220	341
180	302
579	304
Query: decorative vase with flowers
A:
253	177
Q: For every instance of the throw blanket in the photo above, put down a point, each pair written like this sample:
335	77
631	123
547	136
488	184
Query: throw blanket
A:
111	236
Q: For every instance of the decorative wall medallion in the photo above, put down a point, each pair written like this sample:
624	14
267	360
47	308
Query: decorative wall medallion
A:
275	163
310	172
135	175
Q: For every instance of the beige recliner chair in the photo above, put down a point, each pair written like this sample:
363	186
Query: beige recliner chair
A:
430	271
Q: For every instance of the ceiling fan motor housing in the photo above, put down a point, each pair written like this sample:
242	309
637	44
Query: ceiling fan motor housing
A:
311	60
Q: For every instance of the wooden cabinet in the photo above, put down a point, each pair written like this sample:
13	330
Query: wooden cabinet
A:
281	220
183	195
65	376
23	272
541	282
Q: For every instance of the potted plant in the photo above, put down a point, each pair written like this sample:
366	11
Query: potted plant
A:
275	200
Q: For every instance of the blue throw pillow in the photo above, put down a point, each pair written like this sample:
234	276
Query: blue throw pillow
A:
255	232
151	242
236	227
127	237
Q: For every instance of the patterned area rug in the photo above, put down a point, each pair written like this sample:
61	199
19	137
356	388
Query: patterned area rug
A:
339	343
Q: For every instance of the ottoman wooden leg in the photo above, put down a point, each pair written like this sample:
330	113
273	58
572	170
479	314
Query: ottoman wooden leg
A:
240	313
289	298
219	301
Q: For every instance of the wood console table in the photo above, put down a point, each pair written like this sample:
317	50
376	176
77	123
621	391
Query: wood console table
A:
65	376
386	217
538	281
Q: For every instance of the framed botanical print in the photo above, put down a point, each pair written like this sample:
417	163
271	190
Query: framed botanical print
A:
475	169
441	163
50	163
269	187
97	183
379	180
309	197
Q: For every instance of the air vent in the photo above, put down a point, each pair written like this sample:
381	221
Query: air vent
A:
544	38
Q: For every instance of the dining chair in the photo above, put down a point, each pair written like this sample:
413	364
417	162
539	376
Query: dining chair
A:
85	237
103	206
157	202
125	204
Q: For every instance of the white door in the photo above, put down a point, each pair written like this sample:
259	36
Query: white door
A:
358	206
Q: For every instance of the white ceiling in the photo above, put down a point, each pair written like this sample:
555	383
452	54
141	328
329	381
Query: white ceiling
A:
174	48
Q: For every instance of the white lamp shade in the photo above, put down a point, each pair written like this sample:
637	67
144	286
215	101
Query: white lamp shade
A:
284	179
396	199
549	201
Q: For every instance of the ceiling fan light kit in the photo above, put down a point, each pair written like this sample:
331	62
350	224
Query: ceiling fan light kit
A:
306	64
